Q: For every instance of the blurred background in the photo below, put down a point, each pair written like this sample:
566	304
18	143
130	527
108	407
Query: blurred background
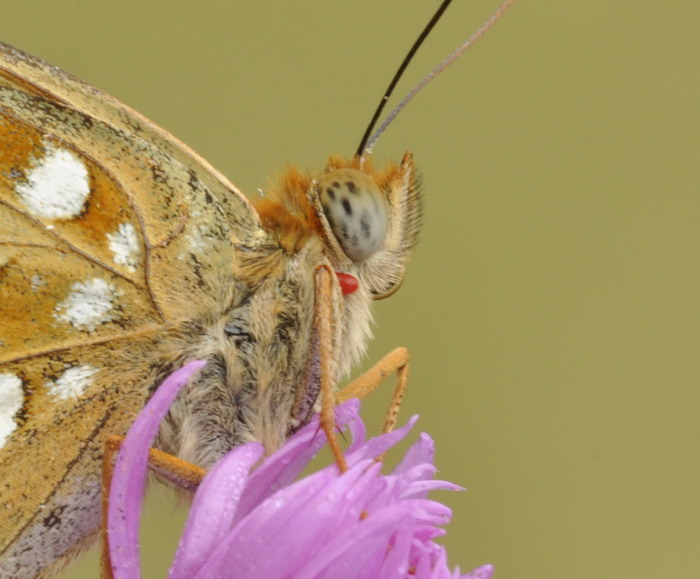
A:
552	308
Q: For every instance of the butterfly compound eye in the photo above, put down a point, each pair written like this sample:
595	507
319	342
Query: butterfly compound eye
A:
355	209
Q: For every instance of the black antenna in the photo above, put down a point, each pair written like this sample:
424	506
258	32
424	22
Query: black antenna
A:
394	81
368	143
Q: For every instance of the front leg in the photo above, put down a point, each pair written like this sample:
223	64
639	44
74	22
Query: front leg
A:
394	361
323	313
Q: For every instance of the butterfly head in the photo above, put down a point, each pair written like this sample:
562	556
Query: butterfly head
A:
367	219
355	210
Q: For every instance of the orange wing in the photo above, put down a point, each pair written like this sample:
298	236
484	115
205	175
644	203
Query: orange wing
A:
110	231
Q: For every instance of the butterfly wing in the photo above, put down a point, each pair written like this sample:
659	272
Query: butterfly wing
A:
110	230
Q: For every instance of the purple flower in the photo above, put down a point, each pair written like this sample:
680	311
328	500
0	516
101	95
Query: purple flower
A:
265	523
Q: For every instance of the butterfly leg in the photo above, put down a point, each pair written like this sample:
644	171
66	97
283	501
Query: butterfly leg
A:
394	361
182	474
323	314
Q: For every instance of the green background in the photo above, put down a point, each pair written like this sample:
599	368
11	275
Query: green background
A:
552	307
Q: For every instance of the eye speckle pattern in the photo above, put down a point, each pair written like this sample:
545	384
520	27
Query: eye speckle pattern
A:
355	210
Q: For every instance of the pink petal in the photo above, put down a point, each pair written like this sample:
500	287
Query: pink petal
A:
397	556
361	524
213	509
421	452
129	479
378	445
360	551
296	522
356	427
483	572
280	469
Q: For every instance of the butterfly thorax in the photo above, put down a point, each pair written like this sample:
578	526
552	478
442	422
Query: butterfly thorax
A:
257	353
261	381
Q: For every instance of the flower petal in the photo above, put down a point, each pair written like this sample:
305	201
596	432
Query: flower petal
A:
213	509
358	524
280	469
378	445
295	522
421	452
129	478
483	572
361	551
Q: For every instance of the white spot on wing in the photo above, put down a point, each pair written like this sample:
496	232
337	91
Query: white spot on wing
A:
11	399
72	383
89	304
37	282
57	186
198	237
124	244
200	240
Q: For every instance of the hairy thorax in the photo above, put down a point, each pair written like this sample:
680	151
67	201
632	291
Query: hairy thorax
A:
258	351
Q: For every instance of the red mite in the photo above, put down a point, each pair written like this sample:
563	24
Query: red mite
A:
348	283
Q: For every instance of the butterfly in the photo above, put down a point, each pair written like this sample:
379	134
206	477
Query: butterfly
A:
123	255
